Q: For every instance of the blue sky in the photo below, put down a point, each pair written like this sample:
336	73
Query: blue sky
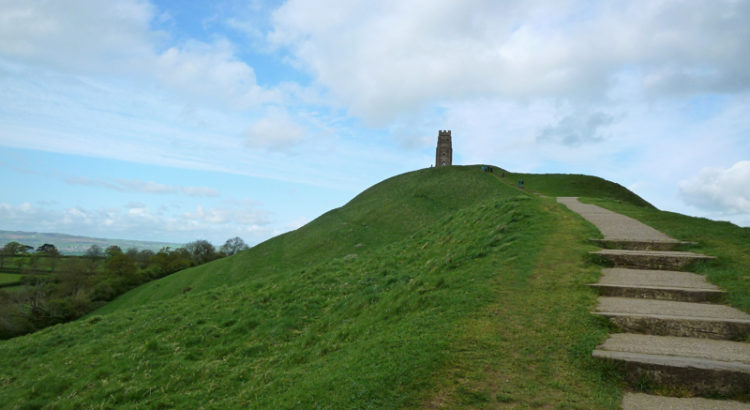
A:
184	120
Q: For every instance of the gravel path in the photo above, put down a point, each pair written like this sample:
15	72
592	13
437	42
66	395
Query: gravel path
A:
613	225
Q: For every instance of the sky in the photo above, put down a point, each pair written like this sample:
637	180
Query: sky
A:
184	120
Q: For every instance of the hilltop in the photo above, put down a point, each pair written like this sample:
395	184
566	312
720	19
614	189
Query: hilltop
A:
440	287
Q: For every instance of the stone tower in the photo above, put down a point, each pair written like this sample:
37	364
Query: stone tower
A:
444	151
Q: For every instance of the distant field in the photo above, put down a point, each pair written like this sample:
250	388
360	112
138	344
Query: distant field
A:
45	264
7	279
77	245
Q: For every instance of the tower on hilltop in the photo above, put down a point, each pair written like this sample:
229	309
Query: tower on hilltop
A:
444	151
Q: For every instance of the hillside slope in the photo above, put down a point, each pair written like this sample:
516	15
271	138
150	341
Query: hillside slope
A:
387	211
440	287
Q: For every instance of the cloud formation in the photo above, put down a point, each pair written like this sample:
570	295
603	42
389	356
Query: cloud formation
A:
726	191
138	221
211	71
233	212
399	56
276	131
81	36
575	130
116	37
149	187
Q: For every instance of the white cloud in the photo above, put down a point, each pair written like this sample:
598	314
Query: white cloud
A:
138	221
724	191
82	35
199	191
296	223
133	185
149	187
211	70
276	131
85	37
233	212
395	57
576	129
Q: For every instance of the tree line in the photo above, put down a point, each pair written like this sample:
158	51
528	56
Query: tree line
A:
56	288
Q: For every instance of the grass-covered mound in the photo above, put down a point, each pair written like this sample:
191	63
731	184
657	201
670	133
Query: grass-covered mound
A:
439	287
575	185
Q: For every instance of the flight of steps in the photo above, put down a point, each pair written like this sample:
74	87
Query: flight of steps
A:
675	337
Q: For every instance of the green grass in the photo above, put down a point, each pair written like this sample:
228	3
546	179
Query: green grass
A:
532	346
384	213
40	264
728	242
555	185
441	287
7	279
350	332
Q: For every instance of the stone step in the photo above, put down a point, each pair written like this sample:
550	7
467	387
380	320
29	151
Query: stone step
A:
659	293
641	401
696	366
646	245
669	318
669	260
657	284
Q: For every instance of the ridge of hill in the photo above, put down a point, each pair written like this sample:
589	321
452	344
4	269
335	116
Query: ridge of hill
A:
439	287
578	185
75	244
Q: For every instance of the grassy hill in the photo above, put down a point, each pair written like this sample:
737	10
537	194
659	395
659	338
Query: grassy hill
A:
440	287
385	213
576	185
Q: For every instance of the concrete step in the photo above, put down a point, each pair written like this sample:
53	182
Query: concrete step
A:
645	245
668	260
641	401
696	366
669	318
657	284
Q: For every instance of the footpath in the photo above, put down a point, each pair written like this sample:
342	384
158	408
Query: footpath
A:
674	336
